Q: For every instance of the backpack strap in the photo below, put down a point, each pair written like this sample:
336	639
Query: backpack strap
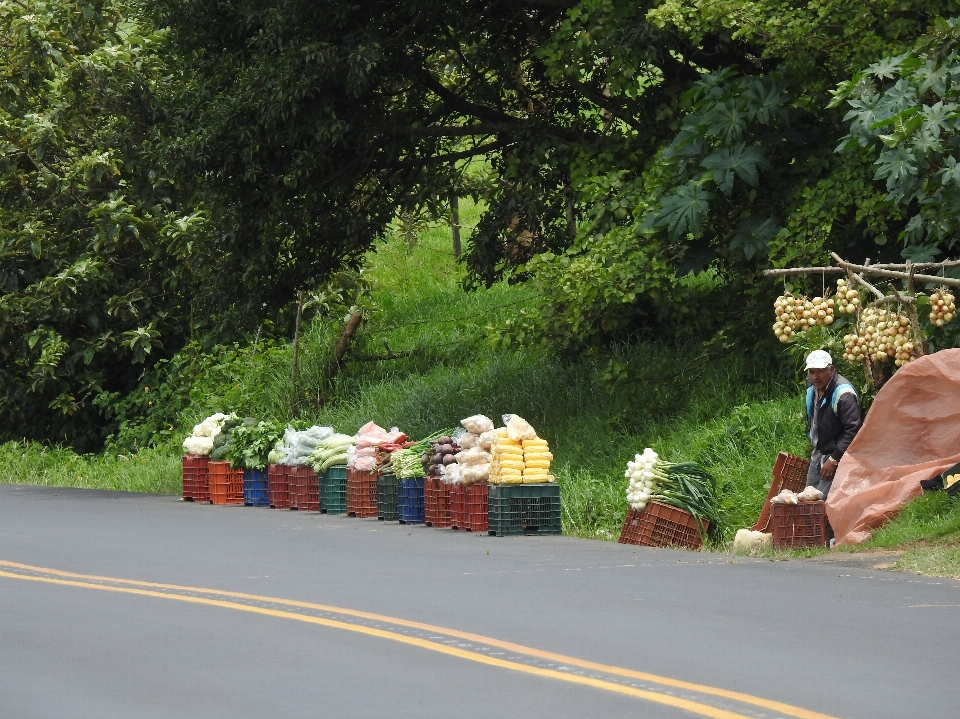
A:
838	392
809	403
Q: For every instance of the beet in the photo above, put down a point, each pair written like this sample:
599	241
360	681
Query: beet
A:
449	459
437	458
445	440
446	448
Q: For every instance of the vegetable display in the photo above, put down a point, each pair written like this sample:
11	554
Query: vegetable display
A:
473	458
223	442
880	335
518	455
252	443
330	452
440	454
943	307
796	314
201	441
685	485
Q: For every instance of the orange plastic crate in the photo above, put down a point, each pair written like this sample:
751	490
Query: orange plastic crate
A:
278	486
226	484
361	494
660	525
436	503
303	486
458	506
196	485
799	525
476	507
789	472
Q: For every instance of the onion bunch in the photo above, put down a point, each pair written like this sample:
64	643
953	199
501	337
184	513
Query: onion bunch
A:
796	314
685	485
847	299
943	308
880	336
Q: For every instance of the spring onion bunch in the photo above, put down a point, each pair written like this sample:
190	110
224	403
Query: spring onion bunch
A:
685	485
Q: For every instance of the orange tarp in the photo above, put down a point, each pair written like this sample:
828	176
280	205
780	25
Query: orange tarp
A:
911	433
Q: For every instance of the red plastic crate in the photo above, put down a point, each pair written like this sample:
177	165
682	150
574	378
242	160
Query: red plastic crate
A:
789	472
436	503
303	487
660	525
799	525
196	486
278	486
361	494
475	502
458	507
226	484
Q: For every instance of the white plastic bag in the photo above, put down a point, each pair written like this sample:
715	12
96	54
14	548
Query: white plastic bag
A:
477	424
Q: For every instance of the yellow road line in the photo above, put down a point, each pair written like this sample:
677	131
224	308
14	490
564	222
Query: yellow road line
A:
780	707
696	707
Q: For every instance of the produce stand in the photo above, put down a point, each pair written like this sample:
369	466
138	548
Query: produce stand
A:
255	488
789	472
387	487
277	486
410	501
436	503
361	494
304	488
333	490
799	525
523	509
226	484
660	525
196	485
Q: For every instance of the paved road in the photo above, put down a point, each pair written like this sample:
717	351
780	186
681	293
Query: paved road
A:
266	613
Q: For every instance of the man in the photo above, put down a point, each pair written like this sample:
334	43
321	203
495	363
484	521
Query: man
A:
833	418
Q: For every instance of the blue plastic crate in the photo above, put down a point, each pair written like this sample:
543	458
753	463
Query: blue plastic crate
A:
255	488
410	501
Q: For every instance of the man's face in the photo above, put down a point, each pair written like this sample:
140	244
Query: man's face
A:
819	378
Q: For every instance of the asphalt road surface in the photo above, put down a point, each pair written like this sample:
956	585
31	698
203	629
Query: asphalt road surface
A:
130	606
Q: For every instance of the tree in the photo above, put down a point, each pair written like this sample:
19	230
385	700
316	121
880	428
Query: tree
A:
91	234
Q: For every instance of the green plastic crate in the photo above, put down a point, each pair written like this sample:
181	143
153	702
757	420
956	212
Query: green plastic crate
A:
387	485
523	509
333	490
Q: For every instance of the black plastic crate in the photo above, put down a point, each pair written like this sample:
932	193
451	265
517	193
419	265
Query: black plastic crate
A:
410	501
256	492
387	486
953	489
523	509
333	490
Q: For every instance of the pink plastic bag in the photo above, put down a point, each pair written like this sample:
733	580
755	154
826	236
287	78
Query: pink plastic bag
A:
911	433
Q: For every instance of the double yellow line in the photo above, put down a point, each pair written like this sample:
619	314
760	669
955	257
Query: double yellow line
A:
151	589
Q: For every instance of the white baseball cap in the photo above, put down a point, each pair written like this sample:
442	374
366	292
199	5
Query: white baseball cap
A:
818	359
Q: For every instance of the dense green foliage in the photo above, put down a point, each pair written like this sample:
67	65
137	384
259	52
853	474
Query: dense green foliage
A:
185	174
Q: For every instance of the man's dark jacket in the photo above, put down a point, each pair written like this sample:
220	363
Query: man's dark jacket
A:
835	432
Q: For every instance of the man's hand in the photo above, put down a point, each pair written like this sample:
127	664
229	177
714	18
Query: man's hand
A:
828	468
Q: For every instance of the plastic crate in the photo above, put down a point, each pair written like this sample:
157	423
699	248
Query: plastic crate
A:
333	490
953	489
304	487
387	486
361	494
196	485
789	472
410	501
523	509
278	486
436	503
660	525
226	484
799	525
476	501
256	491
458	506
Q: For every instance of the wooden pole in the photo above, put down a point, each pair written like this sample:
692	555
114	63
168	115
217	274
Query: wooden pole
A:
296	349
454	211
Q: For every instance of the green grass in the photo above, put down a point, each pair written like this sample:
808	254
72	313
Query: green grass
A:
155	471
